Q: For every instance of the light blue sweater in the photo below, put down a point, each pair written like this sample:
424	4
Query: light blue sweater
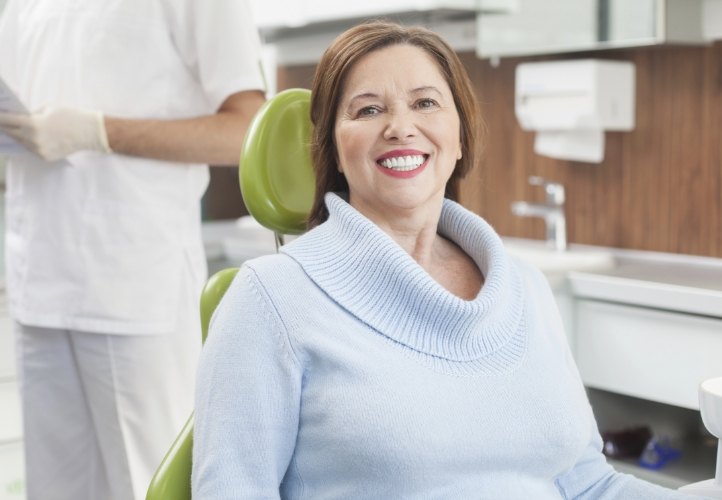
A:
339	369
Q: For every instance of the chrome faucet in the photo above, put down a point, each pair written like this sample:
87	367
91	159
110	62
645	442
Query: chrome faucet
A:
552	211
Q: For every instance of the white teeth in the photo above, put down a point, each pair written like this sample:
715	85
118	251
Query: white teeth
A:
403	163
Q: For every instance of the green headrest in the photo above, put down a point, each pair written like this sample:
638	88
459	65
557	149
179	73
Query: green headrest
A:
275	172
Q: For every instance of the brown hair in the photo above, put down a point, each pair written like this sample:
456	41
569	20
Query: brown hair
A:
345	51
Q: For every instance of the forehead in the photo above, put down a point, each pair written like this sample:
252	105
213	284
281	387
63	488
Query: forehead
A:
399	66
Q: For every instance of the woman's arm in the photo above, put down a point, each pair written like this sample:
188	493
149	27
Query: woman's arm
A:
592	478
247	399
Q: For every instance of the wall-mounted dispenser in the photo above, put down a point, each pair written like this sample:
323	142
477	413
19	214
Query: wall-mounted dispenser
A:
571	103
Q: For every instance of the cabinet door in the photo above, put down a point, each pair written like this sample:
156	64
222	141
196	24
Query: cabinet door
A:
655	355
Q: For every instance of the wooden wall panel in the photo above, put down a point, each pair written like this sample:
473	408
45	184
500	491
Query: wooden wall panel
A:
295	76
659	187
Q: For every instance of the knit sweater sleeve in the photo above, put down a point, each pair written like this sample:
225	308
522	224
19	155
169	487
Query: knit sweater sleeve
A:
247	398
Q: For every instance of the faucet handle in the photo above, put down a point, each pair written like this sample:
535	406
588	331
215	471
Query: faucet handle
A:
554	190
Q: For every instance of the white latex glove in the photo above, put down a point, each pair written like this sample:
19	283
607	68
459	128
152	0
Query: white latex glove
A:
56	132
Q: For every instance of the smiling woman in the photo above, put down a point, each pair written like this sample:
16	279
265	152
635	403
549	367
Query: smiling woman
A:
340	63
397	121
395	350
397	135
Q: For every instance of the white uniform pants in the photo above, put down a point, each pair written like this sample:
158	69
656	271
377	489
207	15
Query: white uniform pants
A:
100	411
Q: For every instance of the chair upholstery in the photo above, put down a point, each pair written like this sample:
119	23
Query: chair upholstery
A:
277	183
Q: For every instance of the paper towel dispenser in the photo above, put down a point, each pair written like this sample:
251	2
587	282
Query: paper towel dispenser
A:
571	103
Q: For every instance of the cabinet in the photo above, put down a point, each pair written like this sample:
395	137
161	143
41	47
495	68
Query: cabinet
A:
297	33
651	354
558	26
645	334
658	358
294	14
645	329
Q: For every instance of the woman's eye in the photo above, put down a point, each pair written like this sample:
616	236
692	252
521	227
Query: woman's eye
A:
426	103
367	111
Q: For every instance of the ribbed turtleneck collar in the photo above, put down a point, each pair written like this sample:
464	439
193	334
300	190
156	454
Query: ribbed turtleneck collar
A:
370	275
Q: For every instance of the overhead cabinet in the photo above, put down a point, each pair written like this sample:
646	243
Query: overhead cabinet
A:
294	14
557	26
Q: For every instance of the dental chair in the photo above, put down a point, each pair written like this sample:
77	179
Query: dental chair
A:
277	183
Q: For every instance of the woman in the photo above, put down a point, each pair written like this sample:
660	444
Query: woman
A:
395	350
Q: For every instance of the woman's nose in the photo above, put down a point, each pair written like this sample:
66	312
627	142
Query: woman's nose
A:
400	126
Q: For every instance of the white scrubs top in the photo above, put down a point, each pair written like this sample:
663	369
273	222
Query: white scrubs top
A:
99	243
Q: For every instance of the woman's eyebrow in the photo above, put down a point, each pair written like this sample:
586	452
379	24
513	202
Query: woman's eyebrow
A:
426	88
364	95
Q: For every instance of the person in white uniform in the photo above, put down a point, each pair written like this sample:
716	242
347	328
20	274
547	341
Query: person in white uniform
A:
130	101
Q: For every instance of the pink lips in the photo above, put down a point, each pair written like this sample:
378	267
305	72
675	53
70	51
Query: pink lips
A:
402	174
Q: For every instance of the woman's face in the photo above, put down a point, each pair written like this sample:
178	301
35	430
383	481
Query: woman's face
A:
397	133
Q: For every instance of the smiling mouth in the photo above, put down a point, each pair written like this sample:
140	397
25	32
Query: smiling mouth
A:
403	163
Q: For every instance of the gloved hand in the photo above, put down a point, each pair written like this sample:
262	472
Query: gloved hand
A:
56	132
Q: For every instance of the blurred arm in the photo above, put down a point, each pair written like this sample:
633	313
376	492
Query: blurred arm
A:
214	139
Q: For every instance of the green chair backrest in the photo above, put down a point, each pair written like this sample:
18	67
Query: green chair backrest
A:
277	182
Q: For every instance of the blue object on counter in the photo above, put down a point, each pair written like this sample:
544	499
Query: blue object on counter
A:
657	453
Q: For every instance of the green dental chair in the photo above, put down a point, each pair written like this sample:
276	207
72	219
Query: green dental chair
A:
277	183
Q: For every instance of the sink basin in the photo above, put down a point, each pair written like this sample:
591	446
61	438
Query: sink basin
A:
555	262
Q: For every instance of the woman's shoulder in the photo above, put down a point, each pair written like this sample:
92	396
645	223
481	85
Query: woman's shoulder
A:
272	271
263	287
277	288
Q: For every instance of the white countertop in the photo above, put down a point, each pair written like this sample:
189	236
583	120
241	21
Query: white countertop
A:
676	282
